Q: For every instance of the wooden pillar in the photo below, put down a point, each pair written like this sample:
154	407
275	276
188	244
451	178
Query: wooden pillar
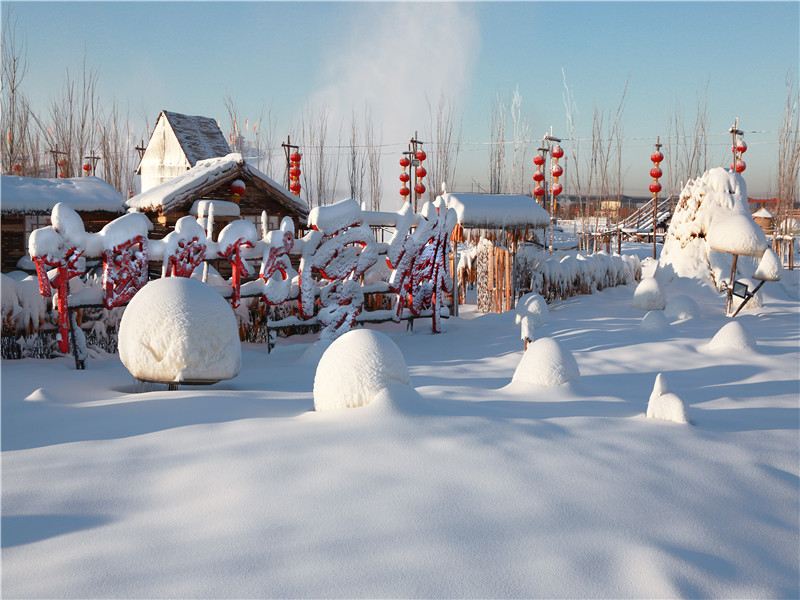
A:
729	302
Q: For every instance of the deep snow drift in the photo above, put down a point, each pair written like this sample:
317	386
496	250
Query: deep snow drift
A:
480	489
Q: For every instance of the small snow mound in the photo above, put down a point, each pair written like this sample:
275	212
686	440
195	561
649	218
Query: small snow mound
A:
769	268
546	363
648	295
654	320
664	405
732	337
681	307
177	329
355	368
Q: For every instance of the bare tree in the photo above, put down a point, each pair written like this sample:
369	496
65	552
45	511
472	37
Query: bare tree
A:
357	162
373	149
788	155
497	148
445	147
321	168
521	133
686	151
116	149
15	116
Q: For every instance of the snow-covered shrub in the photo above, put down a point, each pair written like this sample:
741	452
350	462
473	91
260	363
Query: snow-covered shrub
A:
711	219
10	304
654	320
546	363
665	405
732	337
560	276
769	267
176	330
355	368
648	295
680	307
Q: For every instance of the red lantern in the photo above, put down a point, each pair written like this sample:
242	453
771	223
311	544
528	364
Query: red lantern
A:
87	167
404	162
538	191
538	176
656	156
294	172
238	187
420	155
655	173
655	187
404	177
741	147
420	189
421	172
538	160
404	191
557	170
17	168
739	166
295	188
295	157
557	189
557	151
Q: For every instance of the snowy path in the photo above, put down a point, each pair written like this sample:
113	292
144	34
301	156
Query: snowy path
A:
476	488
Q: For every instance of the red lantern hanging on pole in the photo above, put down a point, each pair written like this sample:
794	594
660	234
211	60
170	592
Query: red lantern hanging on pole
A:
294	173
405	162
237	189
655	187
556	171
738	147
538	175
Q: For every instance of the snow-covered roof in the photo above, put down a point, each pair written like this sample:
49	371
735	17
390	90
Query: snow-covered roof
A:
200	137
204	177
496	210
30	194
763	213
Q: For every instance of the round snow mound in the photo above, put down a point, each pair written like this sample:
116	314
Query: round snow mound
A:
648	295
546	363
355	368
179	330
654	320
681	307
732	337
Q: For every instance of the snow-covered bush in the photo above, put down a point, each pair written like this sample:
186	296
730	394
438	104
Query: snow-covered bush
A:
769	267
665	405
732	337
177	330
711	219
546	363
681	307
560	276
355	368
648	295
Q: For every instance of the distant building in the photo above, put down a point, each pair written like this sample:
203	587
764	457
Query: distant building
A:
28	201
177	143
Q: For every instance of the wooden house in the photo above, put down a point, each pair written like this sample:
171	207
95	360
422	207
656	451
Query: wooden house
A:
177	144
212	179
27	202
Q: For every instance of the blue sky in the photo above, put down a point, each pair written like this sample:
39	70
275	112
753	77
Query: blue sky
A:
187	56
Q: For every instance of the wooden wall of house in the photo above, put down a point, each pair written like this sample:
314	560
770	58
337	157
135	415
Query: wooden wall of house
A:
15	244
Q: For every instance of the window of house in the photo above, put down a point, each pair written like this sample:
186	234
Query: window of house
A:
35	222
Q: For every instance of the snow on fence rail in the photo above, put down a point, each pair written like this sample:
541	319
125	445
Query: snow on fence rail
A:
336	257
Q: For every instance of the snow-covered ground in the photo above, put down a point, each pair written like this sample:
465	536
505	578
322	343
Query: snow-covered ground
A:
469	486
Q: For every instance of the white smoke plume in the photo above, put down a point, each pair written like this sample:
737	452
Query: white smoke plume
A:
396	59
